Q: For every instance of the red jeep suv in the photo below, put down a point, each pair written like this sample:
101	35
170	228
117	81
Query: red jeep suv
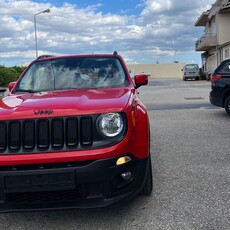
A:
73	133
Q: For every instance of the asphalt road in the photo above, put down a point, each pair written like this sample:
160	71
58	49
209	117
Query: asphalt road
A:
190	154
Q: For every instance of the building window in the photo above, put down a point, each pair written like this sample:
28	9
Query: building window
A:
226	53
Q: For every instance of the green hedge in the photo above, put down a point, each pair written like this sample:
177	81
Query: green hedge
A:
9	74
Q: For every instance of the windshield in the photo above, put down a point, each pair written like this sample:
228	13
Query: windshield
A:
73	73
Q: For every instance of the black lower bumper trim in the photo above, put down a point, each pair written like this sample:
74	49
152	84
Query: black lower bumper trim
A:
96	184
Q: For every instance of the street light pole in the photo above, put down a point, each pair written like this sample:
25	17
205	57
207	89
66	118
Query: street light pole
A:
175	55
35	29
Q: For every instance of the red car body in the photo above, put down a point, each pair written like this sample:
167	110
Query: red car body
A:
37	153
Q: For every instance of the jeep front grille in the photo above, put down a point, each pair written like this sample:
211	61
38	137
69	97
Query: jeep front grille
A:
46	134
52	134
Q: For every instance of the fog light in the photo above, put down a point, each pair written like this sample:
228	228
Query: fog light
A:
126	175
123	160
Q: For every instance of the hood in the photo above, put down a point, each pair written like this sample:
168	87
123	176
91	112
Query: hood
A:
64	103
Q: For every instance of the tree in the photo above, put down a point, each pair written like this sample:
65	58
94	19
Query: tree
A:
9	74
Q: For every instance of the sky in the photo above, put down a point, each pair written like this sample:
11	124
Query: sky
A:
141	31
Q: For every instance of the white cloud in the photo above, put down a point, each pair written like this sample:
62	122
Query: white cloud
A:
161	27
156	6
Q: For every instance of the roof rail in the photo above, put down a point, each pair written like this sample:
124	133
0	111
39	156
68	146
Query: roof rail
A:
44	56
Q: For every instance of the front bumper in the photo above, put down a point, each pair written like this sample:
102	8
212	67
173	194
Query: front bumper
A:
66	185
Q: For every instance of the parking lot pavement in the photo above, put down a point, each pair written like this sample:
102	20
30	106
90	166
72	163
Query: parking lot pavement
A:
191	163
190	157
175	93
190	145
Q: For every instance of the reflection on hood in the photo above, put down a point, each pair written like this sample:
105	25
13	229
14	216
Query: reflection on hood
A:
10	102
65	102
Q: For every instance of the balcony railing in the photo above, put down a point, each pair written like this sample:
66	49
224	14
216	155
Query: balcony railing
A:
206	42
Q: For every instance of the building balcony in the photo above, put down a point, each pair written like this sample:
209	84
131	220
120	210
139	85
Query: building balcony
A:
206	42
203	19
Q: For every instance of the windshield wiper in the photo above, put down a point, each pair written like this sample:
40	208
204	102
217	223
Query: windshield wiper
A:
27	90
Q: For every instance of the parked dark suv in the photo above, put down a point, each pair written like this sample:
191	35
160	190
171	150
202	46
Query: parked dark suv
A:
220	79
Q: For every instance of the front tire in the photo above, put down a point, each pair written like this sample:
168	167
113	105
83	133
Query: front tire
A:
227	105
148	184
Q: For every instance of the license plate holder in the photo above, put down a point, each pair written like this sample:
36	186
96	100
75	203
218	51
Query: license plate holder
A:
40	182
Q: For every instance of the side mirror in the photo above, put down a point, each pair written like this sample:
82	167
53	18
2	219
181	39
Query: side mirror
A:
11	85
140	80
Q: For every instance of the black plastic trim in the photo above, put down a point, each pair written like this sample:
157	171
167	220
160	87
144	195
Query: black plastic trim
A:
94	184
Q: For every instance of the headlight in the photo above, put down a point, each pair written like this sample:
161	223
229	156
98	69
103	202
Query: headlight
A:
110	124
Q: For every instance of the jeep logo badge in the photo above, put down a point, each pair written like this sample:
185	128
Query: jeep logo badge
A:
40	112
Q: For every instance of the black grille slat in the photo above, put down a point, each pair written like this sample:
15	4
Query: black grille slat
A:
3	134
15	135
86	131
71	132
57	132
28	135
43	133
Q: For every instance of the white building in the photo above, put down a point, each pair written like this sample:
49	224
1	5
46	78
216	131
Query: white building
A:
215	42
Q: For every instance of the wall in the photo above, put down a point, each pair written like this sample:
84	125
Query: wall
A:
170	70
224	28
211	62
226	52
